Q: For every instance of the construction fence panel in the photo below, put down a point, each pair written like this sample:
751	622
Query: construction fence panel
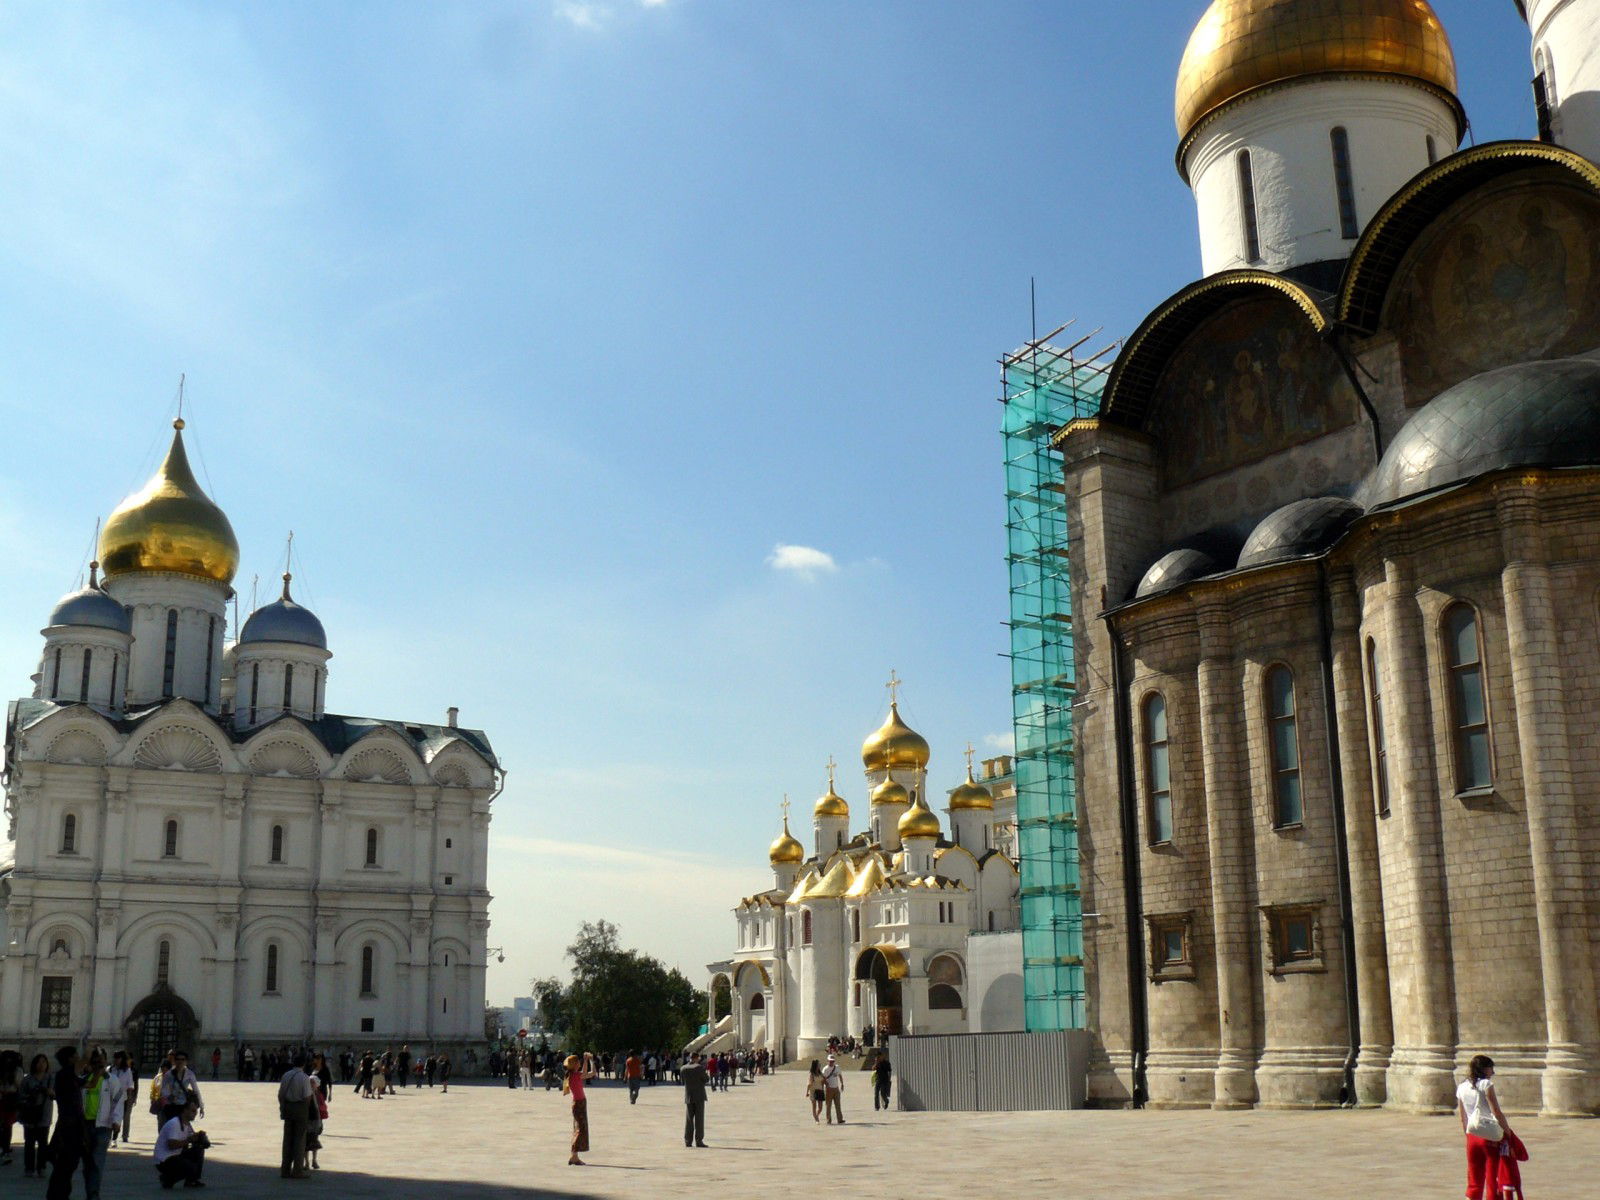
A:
990	1072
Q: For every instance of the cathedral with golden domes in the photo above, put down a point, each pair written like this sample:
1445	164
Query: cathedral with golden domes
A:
898	928
200	854
1335	535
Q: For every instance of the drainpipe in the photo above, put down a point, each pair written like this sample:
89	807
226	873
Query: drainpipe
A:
1138	1013
1341	844
1342	352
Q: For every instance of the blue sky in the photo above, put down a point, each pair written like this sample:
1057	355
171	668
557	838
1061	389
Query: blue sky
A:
543	325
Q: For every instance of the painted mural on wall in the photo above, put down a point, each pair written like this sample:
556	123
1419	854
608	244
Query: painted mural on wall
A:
1251	381
1504	278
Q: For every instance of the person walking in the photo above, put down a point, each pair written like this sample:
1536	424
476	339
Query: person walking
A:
444	1073
633	1074
816	1091
105	1093
880	1083
833	1089
429	1067
321	1075
693	1076
572	1086
67	1142
181	1149
294	1100
216	1063
34	1097
129	1071
1485	1127
404	1064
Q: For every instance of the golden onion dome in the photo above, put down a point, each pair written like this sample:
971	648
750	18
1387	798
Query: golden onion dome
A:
787	850
1241	45
895	744
830	804
918	821
971	795
890	792
170	524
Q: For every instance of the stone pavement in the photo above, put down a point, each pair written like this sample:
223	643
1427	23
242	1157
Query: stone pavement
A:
486	1141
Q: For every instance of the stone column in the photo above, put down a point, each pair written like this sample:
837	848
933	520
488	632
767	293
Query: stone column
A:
1228	842
1421	980
12	1013
478	880
324	979
330	837
418	1020
1572	1016
479	959
102	1012
235	791
225	983
1361	844
113	850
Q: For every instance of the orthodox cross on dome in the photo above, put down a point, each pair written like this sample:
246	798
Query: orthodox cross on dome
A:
785	807
894	685
178	424
969	753
832	766
288	563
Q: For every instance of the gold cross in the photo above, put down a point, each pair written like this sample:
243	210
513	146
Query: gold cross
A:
969	758
786	808
894	685
832	766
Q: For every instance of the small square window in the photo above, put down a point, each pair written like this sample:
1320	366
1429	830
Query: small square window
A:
367	1025
447	843
1294	933
1171	946
449	879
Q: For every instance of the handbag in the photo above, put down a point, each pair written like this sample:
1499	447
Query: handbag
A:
1481	1124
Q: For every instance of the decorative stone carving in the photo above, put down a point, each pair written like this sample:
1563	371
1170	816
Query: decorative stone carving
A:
452	775
377	765
78	747
107	917
327	922
227	918
177	748
285	760
480	821
420	926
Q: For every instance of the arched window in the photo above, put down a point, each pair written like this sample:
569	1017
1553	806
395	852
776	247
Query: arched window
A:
163	964
372	847
855	925
169	663
272	967
1380	749
69	834
758	1003
805	927
55	676
367	955
83	680
1157	770
277	844
288	685
1469	708
1344	184
944	983
1433	150
316	693
255	690
211	650
1247	208
169	844
1544	95
116	662
1283	739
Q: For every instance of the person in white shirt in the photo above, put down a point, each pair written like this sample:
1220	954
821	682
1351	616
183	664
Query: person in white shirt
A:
122	1070
1484	1124
181	1149
833	1089
104	1093
178	1087
294	1106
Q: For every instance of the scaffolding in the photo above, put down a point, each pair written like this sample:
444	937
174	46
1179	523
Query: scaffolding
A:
1043	387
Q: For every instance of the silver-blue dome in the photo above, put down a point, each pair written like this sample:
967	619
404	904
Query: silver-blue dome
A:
1176	567
92	608
284	621
1298	530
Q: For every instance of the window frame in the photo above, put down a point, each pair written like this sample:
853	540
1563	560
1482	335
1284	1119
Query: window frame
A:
1158	801
369	972
374	847
55	1002
69	834
1377	736
805	927
270	973
276	840
1159	925
169	661
83	681
1279	920
1280	774
171	833
164	963
1454	673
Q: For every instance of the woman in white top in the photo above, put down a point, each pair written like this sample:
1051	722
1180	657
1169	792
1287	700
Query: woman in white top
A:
1485	1127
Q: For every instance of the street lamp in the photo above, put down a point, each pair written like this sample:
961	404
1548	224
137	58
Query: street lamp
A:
498	952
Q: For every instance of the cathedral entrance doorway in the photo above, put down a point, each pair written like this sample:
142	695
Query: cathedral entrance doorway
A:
880	970
160	1022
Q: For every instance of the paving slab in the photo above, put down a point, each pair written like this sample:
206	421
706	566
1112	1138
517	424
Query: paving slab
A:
482	1140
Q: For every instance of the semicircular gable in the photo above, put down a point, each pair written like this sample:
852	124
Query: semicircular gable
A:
80	746
177	747
285	756
369	929
459	765
380	757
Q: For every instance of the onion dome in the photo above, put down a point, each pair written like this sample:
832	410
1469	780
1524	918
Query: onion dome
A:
786	851
918	821
895	744
170	524
890	792
830	804
1537	414
1240	46
284	621
91	608
970	795
1298	530
834	884
1174	568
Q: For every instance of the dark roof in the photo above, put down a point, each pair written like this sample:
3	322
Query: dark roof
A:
284	621
337	734
1539	414
1298	530
1176	567
93	608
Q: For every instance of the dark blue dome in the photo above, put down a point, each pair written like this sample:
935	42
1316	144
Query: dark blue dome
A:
1538	414
93	608
1298	530
1173	568
284	621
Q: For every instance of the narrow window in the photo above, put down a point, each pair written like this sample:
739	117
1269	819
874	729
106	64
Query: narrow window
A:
272	967
116	662
169	847
288	685
69	834
55	1002
1247	207
83	682
366	971
1157	770
1344	184
211	650
1283	738
855	925
316	693
372	847
1468	709
163	963
170	662
55	676
1433	150
805	927
255	689
447	843
1380	749
277	844
446	1003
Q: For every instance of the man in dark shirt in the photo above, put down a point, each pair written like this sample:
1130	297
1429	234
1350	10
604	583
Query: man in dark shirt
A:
66	1147
880	1082
694	1103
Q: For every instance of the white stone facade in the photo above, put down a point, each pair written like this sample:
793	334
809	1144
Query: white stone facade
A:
1566	64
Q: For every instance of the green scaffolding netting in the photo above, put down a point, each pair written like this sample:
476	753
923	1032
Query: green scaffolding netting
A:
1044	388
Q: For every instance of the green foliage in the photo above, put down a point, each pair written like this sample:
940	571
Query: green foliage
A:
619	999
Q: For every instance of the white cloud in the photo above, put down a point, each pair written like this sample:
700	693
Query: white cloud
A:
583	14
999	742
805	561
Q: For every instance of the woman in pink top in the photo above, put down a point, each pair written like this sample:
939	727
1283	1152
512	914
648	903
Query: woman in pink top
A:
572	1086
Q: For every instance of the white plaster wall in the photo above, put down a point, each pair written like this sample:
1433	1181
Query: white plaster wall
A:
994	982
308	688
1566	46
1287	132
150	595
109	652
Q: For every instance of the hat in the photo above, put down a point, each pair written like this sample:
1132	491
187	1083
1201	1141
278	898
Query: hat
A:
831	1058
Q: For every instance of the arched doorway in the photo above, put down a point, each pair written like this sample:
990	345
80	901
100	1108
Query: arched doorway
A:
879	971
158	1023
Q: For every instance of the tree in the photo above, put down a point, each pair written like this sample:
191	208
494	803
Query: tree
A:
550	1000
619	999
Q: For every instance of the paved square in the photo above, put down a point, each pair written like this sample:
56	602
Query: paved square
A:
486	1141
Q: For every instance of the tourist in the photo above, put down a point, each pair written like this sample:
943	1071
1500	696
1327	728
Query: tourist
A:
178	1087
1485	1127
105	1096
294	1108
364	1082
525	1060
431	1066
322	1079
633	1074
403	1063
833	1089
880	1082
124	1068
10	1085
249	1059
816	1091
693	1076
216	1063
66	1143
181	1149
444	1073
572	1086
317	1113
34	1100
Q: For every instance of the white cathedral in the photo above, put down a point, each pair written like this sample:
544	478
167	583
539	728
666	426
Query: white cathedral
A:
200	855
896	929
